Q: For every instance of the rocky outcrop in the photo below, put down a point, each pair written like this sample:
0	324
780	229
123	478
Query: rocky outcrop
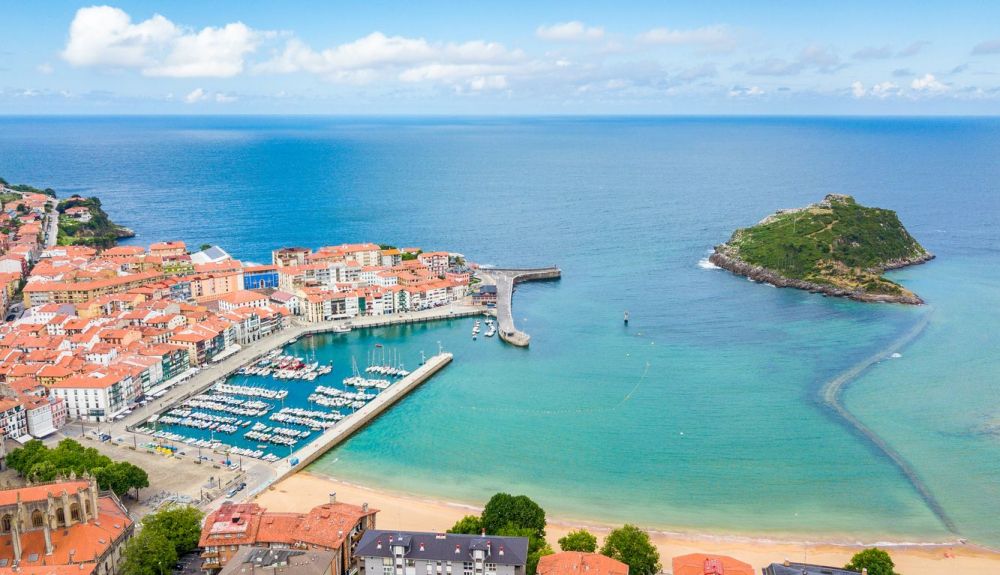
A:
725	259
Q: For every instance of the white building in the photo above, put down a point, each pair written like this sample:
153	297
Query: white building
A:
97	396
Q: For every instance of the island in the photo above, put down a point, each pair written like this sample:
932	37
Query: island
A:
835	247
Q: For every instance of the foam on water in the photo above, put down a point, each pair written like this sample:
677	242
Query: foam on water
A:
704	264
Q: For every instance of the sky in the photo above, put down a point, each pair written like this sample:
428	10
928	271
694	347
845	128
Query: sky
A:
504	58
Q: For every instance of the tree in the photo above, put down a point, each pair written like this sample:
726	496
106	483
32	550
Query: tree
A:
121	477
875	560
24	458
205	247
505	510
149	553
535	556
470	525
180	525
581	540
632	546
135	477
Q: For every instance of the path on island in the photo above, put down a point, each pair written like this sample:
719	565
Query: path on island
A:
832	391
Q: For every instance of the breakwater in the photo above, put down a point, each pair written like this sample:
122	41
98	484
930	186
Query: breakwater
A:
505	280
354	422
831	396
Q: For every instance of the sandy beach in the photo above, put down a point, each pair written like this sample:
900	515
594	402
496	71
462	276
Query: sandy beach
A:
303	491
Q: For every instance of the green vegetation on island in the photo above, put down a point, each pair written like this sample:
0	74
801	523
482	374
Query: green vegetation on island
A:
82	222
36	462
837	247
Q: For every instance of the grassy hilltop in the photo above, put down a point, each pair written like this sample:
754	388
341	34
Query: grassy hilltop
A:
836	246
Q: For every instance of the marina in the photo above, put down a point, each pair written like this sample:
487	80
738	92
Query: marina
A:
284	400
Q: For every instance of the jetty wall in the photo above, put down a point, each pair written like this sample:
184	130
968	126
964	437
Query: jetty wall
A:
352	423
505	280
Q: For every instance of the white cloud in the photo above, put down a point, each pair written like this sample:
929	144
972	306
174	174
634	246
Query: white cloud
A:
814	57
743	92
928	84
200	95
882	90
212	52
195	96
104	36
717	37
573	31
408	59
481	83
45	69
858	89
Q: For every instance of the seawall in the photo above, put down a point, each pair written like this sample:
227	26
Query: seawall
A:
765	275
505	280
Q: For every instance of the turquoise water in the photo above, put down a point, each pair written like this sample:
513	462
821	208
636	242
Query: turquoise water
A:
703	414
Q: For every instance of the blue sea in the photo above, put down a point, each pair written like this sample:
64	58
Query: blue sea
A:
701	415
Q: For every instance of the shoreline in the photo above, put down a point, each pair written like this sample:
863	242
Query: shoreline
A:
304	490
737	266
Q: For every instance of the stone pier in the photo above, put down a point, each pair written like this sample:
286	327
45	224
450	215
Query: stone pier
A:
505	280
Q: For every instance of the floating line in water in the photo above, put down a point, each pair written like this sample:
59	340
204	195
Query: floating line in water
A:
591	409
831	392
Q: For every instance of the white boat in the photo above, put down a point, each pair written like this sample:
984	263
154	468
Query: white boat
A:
341	329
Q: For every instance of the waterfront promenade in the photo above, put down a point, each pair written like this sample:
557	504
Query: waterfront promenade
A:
505	280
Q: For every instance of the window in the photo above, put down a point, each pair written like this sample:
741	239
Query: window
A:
491	569
37	518
466	568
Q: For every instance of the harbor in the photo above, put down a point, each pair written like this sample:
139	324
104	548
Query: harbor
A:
281	397
277	404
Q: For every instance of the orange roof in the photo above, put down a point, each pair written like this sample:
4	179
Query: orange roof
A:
42	286
702	564
85	540
40	492
325	525
87	382
580	563
167	246
242	297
